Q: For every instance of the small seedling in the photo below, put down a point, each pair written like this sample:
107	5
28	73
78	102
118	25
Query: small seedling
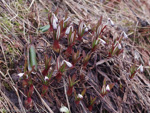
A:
47	65
71	42
95	42
134	70
110	22
64	24
92	102
81	30
76	57
79	97
27	80
105	89
53	21
86	58
115	49
56	46
28	86
46	81
72	82
61	68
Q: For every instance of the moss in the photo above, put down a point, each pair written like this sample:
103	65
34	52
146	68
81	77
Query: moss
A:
6	22
7	86
3	110
20	1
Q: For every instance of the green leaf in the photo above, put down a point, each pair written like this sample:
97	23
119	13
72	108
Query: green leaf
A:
50	74
92	100
32	58
44	28
133	69
104	82
94	43
62	68
83	92
75	82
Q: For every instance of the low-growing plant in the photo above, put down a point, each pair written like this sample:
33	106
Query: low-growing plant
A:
79	97
95	43
86	58
76	57
116	48
134	70
72	82
71	41
27	84
29	68
99	29
46	75
81	30
46	81
105	89
61	68
56	46
92	101
47	65
58	29
53	21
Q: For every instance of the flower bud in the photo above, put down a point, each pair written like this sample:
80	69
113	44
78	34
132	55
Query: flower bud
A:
54	24
68	30
58	33
110	22
125	35
64	109
55	18
80	96
20	75
103	91
140	68
66	19
46	78
68	63
86	29
107	88
119	46
99	30
102	41
81	27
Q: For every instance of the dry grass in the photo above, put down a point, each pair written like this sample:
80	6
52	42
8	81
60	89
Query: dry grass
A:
20	19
